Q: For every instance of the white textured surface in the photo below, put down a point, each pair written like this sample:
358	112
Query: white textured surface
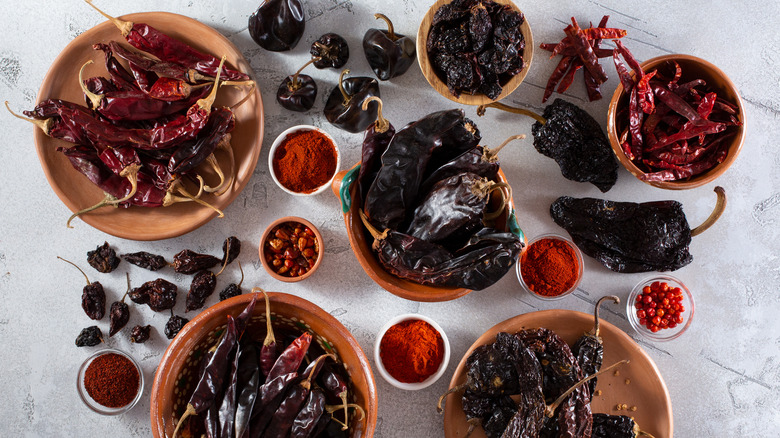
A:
722	374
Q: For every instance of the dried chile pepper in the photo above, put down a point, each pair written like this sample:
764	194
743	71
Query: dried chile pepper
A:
330	50
589	348
306	421
189	262
332	379
174	325
103	258
616	426
277	25
632	237
159	294
231	248
343	109
292	356
248	383
93	297
269	397
203	285
119	312
232	289
226	413
120	77
191	154
388	53
89	337
298	91
146	260
269	352
140	334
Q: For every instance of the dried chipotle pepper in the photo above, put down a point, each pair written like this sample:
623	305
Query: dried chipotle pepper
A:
93	297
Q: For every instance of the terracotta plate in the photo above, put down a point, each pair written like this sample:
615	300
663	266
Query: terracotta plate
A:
646	390
61	82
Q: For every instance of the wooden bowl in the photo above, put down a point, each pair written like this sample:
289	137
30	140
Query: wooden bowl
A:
470	99
344	187
692	68
266	235
175	380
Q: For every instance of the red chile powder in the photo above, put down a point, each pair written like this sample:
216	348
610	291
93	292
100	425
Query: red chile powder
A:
411	351
112	380
549	267
304	161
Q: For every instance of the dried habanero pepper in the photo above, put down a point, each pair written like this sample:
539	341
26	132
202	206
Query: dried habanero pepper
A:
389	54
343	109
589	348
119	313
297	92
159	294
103	258
93	297
140	334
143	259
330	50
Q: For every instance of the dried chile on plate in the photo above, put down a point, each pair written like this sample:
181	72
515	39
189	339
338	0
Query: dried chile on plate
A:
343	109
140	334
277	25
159	294
388	53
589	348
146	260
174	325
103	258
93	297
190	262
89	337
615	426
330	51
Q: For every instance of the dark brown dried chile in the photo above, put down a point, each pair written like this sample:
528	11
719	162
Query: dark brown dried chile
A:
615	426
143	259
388	53
174	325
306	421
589	348
343	109
189	262
231	248
248	382
203	285
93	300
140	334
103	258
119	314
277	25
89	337
159	294
332	51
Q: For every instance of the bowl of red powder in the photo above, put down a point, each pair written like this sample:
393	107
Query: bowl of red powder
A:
110	382
303	160
550	267
411	351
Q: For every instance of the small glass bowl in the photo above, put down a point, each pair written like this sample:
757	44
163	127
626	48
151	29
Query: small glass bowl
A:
433	377
275	145
580	265
664	334
97	407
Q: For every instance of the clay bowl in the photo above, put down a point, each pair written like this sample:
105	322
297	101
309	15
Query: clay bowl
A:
464	98
692	68
267	236
361	242
174	380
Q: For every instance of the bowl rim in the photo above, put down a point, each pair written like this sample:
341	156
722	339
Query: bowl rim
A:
278	141
471	99
580	264
698	180
94	405
433	377
660	336
264	238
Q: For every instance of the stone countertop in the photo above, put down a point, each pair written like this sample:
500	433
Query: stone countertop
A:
722	374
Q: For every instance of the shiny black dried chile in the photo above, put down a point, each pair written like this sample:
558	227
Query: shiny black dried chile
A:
119	313
89	337
174	325
277	25
297	92
589	348
204	283
146	260
232	289
375	141
343	108
190	262
389	54
93	297
140	334
616	426
103	258
330	51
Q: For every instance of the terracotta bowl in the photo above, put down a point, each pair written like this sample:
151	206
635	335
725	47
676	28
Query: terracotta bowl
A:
470	99
692	68
266	236
175	380
361	243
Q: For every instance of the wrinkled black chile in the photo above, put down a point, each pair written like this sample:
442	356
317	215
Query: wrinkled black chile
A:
89	337
103	258
143	259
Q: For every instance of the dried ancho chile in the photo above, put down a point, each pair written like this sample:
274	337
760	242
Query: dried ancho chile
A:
388	53
174	325
103	258
159	294
343	109
119	313
297	92
140	334
143	259
89	337
632	237
93	297
277	25
330	51
189	262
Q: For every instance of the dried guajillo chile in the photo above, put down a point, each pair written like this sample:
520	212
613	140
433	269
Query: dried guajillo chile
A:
93	297
589	348
375	141
89	337
232	289
174	325
574	139
277	25
306	421
103	258
140	334
119	312
388	53
616	426
269	352
298	91
203	284
330	51
632	237
192	154
343	109
226	413
146	260
247	383
120	77
159	294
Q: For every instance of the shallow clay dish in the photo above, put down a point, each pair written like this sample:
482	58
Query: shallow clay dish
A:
692	68
266	235
73	188
175	380
646	390
361	242
465	98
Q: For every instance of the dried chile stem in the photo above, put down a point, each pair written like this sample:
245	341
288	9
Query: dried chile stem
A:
390	31
344	94
549	411
244	99
595	330
195	76
106	202
382	124
225	144
439	407
720	205
269	329
491	154
131	173
95	99
510	109
207	102
378	237
295	83
186	194
45	125
224	263
333	408
124	26
127	274
80	270
504	201
212	161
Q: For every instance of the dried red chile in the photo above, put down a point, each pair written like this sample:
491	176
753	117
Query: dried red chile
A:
140	334
103	258
146	260
174	325
89	337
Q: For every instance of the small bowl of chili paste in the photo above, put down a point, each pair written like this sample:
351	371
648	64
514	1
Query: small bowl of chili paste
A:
291	249
303	160
550	267
411	351
660	308
110	382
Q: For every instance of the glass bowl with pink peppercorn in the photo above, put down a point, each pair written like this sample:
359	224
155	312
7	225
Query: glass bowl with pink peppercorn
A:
660	308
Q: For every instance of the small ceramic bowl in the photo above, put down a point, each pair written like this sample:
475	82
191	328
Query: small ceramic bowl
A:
692	68
465	98
664	334
267	236
580	264
281	138
433	377
97	407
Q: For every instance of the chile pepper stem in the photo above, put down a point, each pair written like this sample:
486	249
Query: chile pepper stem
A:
549	411
244	99
382	124
510	109
242	274
224	264
439	407
127	274
295	83
490	154
378	237
186	194
212	160
208	101
269	329
720	205
225	144
45	125
124	26
131	173
190	411
616	300
344	94
95	99
504	201
80	270
345	426
390	31
107	201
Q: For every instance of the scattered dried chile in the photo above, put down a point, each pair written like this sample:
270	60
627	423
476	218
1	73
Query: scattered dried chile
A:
93	297
103	258
203	285
143	259
332	51
174	326
189	262
277	25
297	92
231	249
140	334
233	290
89	337
119	313
388	53
159	294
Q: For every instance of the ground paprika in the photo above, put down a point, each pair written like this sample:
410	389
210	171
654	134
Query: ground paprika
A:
112	380
304	161
550	267
411	350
